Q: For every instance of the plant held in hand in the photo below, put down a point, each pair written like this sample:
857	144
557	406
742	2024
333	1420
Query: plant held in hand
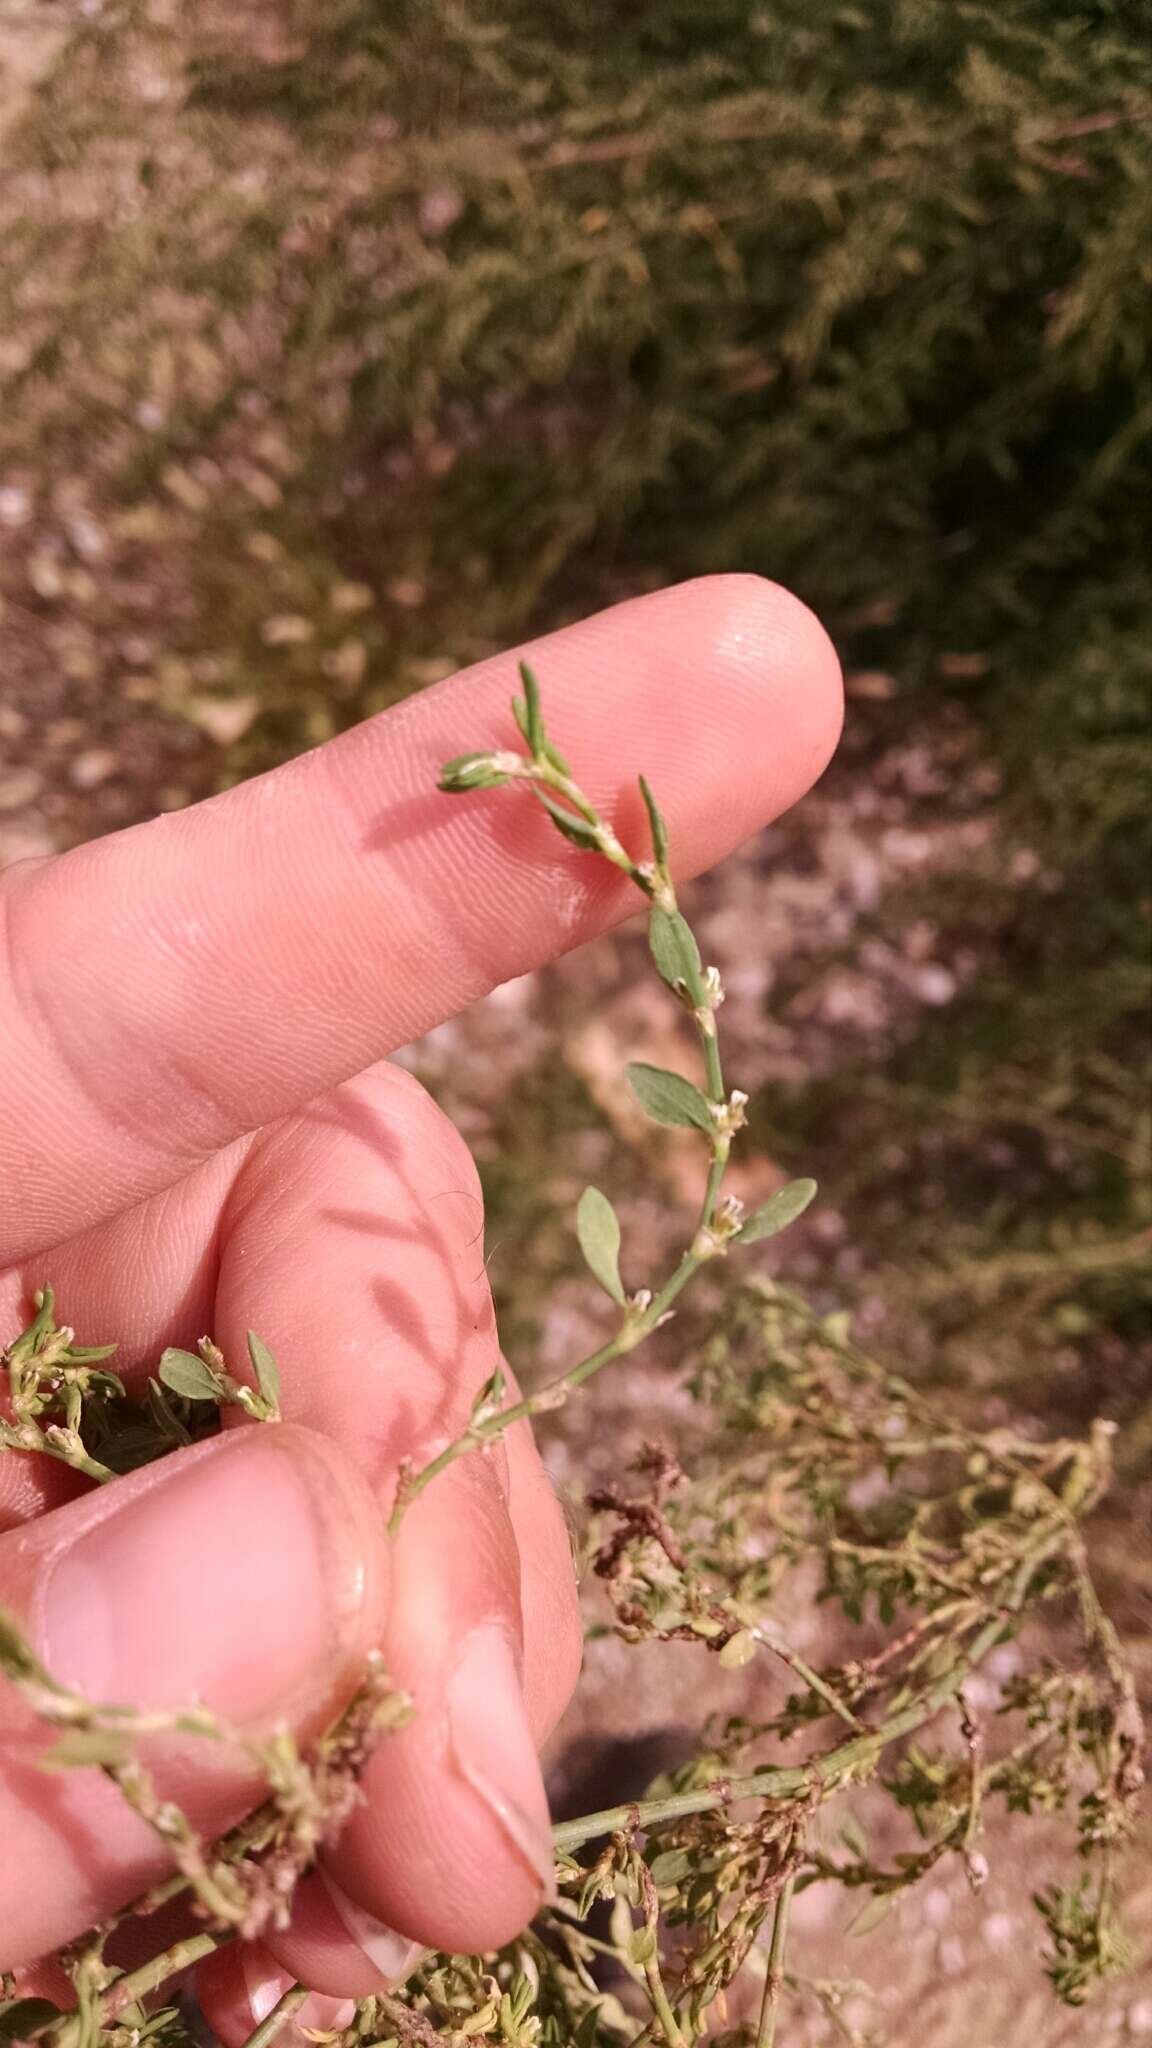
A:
811	1458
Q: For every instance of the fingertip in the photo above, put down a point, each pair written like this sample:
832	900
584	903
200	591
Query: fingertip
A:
728	697
765	633
451	1844
333	1945
770	682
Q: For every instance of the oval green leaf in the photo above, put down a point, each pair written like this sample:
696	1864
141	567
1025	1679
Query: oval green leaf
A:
598	1228
786	1205
188	1375
674	949
528	714
575	828
877	1909
266	1369
658	828
738	1650
87	1748
669	1098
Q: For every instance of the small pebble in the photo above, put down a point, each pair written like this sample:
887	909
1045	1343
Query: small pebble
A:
94	766
224	719
20	788
24	842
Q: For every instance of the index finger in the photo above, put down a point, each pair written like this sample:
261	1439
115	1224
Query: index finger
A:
175	985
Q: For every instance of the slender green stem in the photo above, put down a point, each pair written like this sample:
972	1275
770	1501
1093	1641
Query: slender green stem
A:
631	1333
139	1983
810	1678
661	2004
80	1461
713	1070
773	1982
715	1176
278	2018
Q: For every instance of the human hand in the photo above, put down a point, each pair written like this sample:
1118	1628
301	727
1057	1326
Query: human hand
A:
198	1131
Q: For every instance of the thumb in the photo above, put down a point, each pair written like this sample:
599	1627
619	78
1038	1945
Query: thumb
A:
246	1574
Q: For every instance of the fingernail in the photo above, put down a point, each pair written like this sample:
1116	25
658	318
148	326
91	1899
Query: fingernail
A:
393	1954
227	1579
264	1981
493	1750
265	1984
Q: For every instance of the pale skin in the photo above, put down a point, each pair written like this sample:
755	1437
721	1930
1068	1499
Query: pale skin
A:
200	1131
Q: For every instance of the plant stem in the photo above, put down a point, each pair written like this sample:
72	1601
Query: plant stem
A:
773	1982
278	2018
138	1983
809	1677
821	1772
80	1461
661	2005
541	771
552	1395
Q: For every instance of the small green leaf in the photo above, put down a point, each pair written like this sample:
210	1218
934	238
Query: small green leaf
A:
659	828
588	2032
109	1383
266	1369
877	1909
669	1098
670	1866
642	1946
598	1228
471	771
170	1425
854	1838
738	1650
23	2018
144	2027
786	1205
529	716
674	949
188	1375
575	828
16	1656
491	1396
87	1747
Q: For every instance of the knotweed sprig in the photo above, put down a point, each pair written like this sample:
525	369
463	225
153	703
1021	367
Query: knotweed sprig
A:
715	1111
66	1405
50	1379
815	1455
